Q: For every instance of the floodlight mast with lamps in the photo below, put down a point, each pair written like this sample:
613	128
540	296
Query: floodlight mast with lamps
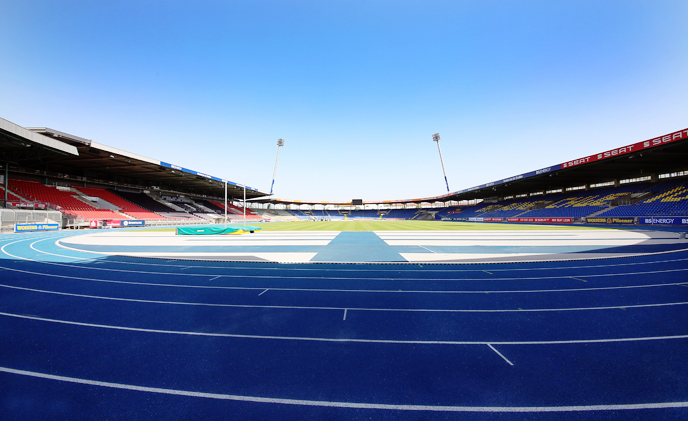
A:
280	143
436	138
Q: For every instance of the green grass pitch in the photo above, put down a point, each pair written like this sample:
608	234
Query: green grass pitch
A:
406	226
399	226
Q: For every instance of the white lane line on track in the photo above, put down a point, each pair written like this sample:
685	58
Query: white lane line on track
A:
500	354
411	310
453	270
376	291
345	310
338	277
342	340
423	247
356	405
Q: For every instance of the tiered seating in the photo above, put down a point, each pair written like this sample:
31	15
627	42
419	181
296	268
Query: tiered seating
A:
61	200
334	215
193	208
236	211
360	214
249	213
581	204
10	196
513	207
280	215
401	214
321	214
301	215
128	208
672	201
212	206
452	211
472	211
146	202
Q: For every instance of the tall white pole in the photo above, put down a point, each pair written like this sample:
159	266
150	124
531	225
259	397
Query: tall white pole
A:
244	204
280	143
225	203
436	138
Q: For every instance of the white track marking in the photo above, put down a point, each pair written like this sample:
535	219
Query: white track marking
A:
423	247
356	405
237	257
343	340
214	278
500	354
376	291
345	310
518	242
453	270
411	310
337	277
593	238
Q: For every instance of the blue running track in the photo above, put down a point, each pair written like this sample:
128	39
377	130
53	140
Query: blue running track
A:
90	337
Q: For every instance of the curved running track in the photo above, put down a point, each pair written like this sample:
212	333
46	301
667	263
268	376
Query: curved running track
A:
87	336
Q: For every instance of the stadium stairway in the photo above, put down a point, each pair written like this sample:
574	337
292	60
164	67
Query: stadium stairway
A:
601	211
119	204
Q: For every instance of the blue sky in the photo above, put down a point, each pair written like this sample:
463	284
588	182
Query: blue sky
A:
355	88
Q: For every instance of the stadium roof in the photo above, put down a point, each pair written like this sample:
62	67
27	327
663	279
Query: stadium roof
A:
53	153
660	155
42	150
22	145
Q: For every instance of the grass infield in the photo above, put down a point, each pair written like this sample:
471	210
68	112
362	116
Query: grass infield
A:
402	226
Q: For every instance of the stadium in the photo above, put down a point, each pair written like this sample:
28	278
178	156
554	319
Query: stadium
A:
476	210
555	293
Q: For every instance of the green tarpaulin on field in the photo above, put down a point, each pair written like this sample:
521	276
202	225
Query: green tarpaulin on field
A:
217	230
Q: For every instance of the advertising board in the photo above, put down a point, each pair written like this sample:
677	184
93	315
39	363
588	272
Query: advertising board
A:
663	220
36	227
542	220
626	221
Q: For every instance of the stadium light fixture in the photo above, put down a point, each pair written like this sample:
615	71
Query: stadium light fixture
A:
436	138
280	143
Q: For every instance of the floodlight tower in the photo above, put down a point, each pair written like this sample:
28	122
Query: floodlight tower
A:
280	143
436	138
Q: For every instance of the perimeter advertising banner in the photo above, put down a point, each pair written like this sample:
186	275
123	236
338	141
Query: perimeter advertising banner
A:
36	227
610	220
486	219
117	223
27	205
663	220
542	220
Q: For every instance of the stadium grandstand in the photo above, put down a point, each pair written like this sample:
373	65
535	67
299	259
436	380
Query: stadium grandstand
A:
45	169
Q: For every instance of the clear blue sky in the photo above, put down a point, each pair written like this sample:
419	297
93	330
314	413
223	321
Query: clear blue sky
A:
355	88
